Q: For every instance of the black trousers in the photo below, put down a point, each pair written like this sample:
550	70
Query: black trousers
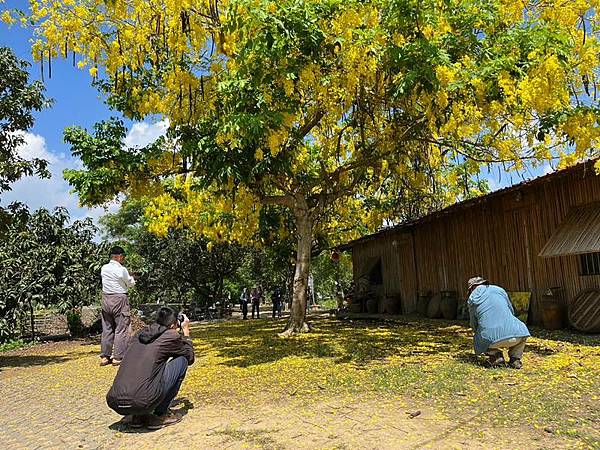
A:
256	306
172	378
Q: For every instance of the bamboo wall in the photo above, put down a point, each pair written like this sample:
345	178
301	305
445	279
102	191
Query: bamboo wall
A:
498	237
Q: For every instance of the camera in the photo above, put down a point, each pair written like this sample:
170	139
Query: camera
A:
180	319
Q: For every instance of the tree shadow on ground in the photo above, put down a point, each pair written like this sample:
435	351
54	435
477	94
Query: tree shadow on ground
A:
567	336
249	343
359	342
93	339
179	406
470	358
14	361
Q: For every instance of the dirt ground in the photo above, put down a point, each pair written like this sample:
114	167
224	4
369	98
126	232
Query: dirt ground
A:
53	397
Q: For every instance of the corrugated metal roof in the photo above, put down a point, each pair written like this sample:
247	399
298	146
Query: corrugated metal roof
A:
583	167
578	233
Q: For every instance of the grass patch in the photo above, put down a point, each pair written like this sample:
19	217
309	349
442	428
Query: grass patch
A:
14	345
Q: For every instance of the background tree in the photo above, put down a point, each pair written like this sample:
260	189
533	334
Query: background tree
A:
331	278
178	267
18	100
330	112
47	262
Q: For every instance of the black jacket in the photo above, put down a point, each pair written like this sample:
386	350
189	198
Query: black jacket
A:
137	388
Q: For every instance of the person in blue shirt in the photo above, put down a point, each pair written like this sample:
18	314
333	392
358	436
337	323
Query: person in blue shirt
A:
495	325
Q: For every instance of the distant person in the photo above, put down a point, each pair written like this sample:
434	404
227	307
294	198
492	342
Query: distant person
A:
152	371
339	296
116	316
495	325
255	299
277	302
244	299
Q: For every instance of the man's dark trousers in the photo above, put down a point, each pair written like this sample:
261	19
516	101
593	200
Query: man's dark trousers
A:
245	310
172	378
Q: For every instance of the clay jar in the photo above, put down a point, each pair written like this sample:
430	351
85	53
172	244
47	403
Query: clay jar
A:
449	304
423	303
434	308
372	305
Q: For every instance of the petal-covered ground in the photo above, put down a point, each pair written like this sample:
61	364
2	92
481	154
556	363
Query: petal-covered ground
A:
347	384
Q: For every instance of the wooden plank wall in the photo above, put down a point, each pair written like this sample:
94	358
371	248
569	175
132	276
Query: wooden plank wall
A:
499	239
397	265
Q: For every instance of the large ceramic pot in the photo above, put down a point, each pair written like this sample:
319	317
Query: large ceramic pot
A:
434	308
422	304
449	305
553	315
372	305
392	305
355	308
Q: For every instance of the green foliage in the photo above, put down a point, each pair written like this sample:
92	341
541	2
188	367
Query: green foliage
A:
177	268
183	268
107	159
74	321
18	100
13	345
47	262
268	267
331	278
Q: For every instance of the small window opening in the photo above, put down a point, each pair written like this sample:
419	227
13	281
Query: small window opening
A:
589	264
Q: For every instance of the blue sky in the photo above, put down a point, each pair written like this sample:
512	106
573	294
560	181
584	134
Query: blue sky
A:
76	102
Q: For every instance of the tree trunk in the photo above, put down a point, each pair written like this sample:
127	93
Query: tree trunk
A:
220	297
296	323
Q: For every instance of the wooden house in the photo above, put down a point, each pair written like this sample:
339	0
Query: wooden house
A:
537	235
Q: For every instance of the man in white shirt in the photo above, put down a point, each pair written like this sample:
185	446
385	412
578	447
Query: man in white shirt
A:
116	316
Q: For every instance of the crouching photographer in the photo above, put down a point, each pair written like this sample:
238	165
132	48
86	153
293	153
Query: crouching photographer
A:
152	371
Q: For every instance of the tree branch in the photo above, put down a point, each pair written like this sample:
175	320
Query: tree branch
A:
301	132
283	200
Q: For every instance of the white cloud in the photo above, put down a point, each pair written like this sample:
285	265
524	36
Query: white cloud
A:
35	147
55	191
49	192
143	133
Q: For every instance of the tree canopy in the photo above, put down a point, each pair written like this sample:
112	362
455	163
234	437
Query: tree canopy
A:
177	267
47	262
334	113
18	99
185	268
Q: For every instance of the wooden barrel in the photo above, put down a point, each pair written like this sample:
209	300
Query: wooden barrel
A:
434	309
449	305
584	311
